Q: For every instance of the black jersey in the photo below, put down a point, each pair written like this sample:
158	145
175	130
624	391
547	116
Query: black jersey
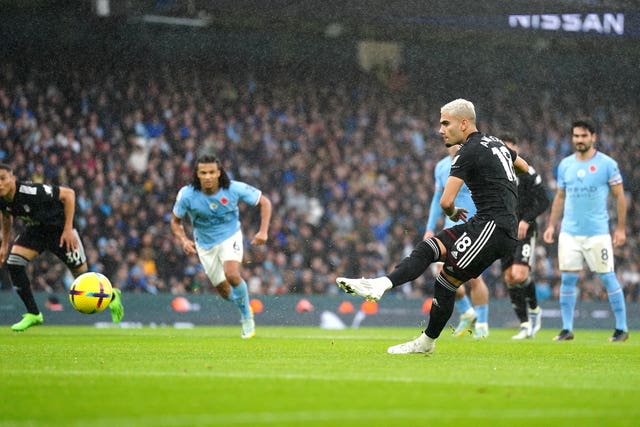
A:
35	204
485	164
532	197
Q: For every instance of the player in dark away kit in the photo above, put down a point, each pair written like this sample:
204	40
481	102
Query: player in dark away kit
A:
488	167
48	212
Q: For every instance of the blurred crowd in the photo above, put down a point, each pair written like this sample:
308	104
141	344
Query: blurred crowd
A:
347	163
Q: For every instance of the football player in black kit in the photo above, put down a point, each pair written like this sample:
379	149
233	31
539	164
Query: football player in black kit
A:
47	212
489	168
516	267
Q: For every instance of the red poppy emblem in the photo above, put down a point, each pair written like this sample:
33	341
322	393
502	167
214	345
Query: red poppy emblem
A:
592	168
224	201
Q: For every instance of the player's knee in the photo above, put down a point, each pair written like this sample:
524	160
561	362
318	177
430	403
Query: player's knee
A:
15	271
17	267
429	251
610	281
80	270
441	253
518	277
569	280
234	279
477	283
224	290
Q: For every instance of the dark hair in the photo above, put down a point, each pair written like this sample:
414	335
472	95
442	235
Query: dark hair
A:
224	181
508	137
6	167
583	124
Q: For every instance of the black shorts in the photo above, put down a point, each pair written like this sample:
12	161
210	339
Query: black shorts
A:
474	246
524	252
42	238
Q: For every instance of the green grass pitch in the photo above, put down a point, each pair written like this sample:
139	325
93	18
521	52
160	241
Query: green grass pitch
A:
289	376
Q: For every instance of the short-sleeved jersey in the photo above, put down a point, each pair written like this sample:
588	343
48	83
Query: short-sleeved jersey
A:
485	164
463	199
35	204
214	217
587	184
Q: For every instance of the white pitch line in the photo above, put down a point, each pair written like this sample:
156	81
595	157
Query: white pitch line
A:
365	377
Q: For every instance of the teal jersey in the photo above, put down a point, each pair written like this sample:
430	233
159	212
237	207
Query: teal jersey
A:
463	199
214	217
587	185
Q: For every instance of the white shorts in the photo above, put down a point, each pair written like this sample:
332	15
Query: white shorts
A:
213	259
596	251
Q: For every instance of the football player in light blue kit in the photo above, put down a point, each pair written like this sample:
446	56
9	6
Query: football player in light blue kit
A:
585	180
470	316
211	202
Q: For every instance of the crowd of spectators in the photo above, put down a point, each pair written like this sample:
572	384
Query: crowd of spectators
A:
347	163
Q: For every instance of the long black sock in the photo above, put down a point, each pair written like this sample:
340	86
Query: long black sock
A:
518	303
16	266
529	288
410	268
444	298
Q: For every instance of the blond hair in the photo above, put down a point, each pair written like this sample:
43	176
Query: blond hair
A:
461	109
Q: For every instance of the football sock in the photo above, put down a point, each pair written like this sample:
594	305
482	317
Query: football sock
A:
482	311
616	299
518	303
16	266
411	267
568	299
240	296
530	293
444	297
463	304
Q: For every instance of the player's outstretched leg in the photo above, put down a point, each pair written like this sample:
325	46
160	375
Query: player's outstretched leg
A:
116	307
369	289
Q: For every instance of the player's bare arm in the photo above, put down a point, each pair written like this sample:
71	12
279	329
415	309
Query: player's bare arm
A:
520	165
620	234
447	201
68	238
557	209
177	228
262	235
7	222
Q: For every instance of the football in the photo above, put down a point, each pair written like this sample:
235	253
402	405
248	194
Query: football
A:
90	293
